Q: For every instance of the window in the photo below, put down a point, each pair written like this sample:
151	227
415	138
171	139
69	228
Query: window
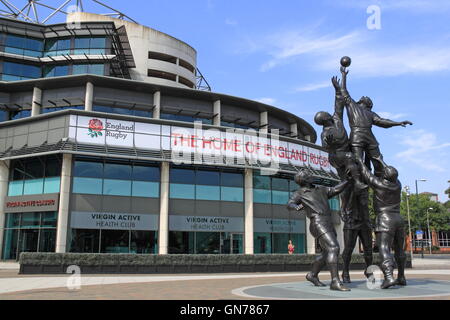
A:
93	46
19	114
186	82
277	243
205	243
29	232
272	190
118	179
185	118
162	75
162	57
127	111
17	71
24	45
57	47
54	109
35	176
203	184
98	69
113	241
236	125
186	65
56	71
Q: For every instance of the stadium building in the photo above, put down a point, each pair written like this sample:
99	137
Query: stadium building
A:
109	144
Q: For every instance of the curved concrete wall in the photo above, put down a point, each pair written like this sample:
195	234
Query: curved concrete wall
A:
144	40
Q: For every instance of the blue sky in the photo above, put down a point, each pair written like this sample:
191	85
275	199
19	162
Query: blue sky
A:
285	52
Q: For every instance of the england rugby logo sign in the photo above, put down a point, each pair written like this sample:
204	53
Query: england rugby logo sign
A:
95	128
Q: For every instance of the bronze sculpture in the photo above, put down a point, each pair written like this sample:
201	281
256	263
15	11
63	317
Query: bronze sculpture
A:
389	226
314	201
361	119
345	154
354	201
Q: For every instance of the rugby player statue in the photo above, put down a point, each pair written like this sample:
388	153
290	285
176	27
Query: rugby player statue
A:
313	200
354	200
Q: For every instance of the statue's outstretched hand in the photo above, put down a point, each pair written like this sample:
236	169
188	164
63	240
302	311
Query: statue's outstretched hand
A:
336	82
344	71
405	123
329	139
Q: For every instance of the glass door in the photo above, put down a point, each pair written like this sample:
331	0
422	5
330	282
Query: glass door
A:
28	241
238	243
231	243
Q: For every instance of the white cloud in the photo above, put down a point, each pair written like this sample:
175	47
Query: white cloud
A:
270	101
313	86
287	45
370	57
392	116
424	150
231	22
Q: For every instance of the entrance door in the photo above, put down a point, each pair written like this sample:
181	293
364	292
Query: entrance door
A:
28	241
231	243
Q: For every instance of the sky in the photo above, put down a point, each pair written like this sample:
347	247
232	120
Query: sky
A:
284	53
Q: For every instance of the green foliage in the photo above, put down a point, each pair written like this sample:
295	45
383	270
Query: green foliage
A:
448	192
447	204
439	216
94	259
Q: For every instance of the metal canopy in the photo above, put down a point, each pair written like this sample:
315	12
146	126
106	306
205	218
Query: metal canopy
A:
40	11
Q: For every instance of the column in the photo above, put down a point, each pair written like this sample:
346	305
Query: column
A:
89	99
310	241
294	130
164	209
217	113
264	122
4	179
157	105
37	102
248	208
64	200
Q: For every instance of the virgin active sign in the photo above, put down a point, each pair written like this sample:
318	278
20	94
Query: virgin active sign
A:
197	144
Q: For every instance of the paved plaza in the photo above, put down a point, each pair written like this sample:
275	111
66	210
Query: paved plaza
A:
429	279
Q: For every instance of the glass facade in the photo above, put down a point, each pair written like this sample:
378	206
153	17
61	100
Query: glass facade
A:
126	111
98	69
75	46
13	71
185	118
205	243
272	190
21	45
203	184
267	243
54	109
29	232
116	178
114	241
19	114
236	125
38	48
35	176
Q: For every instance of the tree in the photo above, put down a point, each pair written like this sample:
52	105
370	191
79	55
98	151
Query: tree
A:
439	216
447	204
448	192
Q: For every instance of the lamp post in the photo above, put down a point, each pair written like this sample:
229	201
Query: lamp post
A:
428	223
409	223
417	200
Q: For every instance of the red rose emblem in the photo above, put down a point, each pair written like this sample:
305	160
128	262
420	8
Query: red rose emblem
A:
95	128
